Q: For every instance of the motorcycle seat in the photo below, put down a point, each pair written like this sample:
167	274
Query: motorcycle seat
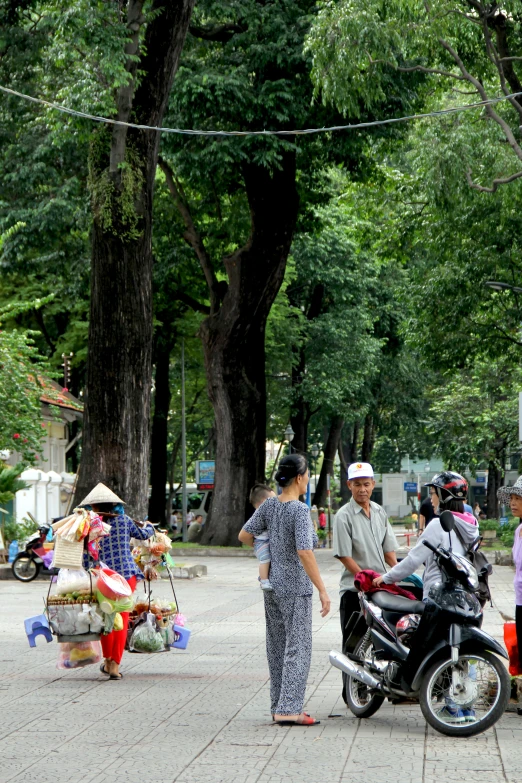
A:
396	603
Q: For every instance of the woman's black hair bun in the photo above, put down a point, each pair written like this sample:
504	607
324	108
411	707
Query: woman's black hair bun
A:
290	466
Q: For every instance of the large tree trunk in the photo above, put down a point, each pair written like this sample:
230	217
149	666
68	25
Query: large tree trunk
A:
233	341
494	477
122	171
300	417
368	439
159	437
329	452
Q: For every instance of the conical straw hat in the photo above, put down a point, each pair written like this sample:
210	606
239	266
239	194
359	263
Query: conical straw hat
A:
101	494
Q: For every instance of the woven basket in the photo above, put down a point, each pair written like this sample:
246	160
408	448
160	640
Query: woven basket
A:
67	554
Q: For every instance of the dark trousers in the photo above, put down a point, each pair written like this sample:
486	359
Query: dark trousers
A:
518	621
349	604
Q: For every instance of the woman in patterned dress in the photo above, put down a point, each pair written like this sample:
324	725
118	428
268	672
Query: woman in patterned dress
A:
288	608
115	552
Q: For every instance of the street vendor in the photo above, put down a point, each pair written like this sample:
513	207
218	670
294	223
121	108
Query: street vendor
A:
115	552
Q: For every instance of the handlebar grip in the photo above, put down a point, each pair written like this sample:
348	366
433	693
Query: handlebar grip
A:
430	546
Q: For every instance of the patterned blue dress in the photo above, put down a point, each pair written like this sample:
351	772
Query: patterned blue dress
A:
115	549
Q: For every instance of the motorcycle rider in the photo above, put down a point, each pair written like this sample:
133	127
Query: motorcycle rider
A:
448	491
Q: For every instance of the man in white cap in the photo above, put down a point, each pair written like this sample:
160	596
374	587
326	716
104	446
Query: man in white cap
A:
363	538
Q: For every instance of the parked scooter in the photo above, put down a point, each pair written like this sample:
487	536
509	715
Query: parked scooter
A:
27	564
462	687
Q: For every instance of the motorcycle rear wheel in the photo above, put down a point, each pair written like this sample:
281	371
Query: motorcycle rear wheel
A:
487	685
361	701
24	568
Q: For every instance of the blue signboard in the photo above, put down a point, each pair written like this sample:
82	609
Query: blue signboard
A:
410	486
481	479
503	521
205	469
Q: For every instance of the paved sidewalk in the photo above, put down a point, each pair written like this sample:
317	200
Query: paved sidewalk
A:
202	715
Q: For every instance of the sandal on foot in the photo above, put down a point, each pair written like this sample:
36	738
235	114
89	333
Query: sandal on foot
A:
104	670
306	720
116	676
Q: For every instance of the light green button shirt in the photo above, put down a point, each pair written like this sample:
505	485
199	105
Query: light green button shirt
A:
365	540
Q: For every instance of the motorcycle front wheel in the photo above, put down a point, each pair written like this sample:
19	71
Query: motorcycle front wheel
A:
465	698
24	568
361	700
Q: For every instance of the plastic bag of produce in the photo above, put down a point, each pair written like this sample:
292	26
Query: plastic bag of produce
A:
74	655
109	606
73	580
146	638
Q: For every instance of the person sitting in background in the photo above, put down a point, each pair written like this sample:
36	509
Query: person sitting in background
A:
195	529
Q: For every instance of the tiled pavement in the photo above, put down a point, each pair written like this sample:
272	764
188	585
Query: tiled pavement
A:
202	715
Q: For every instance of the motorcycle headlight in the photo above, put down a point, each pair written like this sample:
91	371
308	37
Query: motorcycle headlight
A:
473	577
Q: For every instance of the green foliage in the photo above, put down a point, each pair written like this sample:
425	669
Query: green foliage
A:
474	416
10	482
490	524
21	371
507	535
15	531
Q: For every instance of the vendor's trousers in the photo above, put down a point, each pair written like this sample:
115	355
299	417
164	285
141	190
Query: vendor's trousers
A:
113	644
288	649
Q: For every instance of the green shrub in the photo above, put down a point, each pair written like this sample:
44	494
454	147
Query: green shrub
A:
507	533
489	524
321	534
19	532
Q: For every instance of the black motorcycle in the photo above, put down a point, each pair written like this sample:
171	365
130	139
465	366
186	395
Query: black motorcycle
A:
27	564
462	686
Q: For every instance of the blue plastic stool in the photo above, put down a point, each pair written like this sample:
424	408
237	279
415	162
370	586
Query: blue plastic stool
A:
181	637
37	626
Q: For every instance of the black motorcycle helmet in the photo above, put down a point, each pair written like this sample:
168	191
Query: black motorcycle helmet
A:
449	485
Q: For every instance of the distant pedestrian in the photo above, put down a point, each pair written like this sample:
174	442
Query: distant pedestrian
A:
288	608
477	511
322	519
426	513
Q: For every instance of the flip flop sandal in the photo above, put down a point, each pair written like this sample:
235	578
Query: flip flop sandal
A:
116	676
104	670
307	721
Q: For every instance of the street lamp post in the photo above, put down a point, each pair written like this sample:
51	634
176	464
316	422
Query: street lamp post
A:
289	436
314	453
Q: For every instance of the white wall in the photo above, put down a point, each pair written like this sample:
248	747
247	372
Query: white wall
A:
393	495
47	495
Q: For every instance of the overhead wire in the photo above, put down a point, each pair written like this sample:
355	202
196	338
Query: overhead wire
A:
299	132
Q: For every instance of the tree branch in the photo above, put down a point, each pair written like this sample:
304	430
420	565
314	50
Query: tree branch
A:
494	185
411	68
216	32
508	133
198	307
191	235
506	72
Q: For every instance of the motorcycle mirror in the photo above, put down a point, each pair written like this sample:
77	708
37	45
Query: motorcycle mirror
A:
447	521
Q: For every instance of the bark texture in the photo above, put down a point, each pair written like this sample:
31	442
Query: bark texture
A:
329	452
159	437
116	438
494	483
233	338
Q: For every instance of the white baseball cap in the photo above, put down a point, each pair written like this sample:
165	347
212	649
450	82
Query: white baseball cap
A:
360	470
